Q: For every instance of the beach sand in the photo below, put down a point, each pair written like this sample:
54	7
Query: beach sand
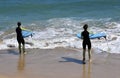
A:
57	63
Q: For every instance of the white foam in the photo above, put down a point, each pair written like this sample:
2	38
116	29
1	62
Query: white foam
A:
52	33
111	46
61	33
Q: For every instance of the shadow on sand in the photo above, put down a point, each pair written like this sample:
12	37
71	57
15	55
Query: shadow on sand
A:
13	52
69	59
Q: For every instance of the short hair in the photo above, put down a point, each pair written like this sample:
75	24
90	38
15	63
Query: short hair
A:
85	26
19	23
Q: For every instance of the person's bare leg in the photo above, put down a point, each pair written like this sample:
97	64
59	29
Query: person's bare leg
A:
24	49
89	55
84	55
20	48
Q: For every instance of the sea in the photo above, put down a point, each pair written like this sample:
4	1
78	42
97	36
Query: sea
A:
55	23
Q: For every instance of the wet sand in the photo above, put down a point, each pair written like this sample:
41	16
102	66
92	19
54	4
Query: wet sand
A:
57	63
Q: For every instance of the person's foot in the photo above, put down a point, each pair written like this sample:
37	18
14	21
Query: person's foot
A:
25	52
90	60
84	61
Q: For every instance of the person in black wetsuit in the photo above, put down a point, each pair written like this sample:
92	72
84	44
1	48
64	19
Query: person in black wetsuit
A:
20	38
86	42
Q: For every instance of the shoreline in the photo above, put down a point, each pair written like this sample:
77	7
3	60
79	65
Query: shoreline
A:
57	63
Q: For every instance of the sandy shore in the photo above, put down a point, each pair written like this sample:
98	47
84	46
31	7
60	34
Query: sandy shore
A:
57	63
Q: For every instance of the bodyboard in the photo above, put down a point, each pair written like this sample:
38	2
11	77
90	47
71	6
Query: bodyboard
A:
93	36
26	32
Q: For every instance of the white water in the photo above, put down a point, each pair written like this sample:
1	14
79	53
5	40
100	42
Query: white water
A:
51	38
62	33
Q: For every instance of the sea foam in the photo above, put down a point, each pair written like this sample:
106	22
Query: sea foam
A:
62	33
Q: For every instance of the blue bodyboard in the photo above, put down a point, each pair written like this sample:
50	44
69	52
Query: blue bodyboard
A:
26	33
93	36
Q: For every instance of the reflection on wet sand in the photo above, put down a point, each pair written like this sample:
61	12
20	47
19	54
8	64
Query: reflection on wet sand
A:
86	71
21	62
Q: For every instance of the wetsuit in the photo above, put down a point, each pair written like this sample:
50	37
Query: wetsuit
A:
20	38
86	39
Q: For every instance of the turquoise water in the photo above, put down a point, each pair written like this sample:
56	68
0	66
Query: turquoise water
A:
31	11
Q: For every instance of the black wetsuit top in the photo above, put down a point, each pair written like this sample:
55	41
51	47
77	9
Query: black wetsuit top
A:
86	39
20	38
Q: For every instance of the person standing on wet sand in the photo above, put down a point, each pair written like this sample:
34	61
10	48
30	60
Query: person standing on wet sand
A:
20	38
86	42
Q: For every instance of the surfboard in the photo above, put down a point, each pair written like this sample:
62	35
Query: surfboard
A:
26	32
93	36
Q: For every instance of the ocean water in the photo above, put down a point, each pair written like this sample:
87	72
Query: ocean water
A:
55	23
